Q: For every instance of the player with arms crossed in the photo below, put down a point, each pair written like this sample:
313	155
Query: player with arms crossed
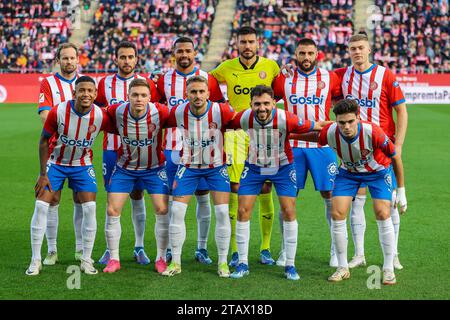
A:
75	124
269	158
241	75
378	93
138	123
308	94
202	157
365	152
113	89
172	87
55	89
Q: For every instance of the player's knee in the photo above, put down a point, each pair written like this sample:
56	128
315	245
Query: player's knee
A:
161	210
382	214
289	214
337	215
113	211
243	214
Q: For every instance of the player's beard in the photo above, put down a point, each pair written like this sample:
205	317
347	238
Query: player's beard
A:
126	70
68	68
266	113
248	54
312	65
185	63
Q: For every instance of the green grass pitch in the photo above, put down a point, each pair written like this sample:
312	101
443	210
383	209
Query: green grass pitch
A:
424	237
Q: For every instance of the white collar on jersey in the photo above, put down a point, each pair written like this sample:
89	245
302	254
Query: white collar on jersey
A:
186	74
60	77
125	79
368	70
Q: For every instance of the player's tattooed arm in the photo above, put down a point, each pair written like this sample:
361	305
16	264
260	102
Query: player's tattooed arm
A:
43	180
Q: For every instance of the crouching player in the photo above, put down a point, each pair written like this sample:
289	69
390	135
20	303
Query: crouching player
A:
269	158
138	122
365	152
202	124
75	124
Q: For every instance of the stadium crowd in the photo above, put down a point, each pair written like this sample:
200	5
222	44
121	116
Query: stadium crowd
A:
30	32
152	26
282	23
413	36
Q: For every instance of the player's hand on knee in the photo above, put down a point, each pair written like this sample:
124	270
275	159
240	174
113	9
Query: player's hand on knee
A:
400	201
39	188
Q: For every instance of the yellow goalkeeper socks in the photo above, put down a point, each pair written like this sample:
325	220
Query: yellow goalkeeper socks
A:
233	207
266	213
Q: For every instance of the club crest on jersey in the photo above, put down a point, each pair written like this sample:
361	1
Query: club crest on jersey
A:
92	128
151	127
373	85
91	172
388	179
365	152
321	84
332	169
162	174
213	125
262	75
293	176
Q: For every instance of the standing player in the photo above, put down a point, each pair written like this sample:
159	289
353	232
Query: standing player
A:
270	158
365	152
113	89
241	75
138	123
172	87
75	124
308	94
202	156
378	93
55	89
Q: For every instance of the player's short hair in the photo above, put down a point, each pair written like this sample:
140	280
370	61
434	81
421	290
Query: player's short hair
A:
259	90
183	40
126	44
196	79
84	79
358	37
246	30
139	82
306	42
345	106
65	45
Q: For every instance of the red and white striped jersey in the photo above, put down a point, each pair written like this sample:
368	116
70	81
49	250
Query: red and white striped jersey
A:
269	143
141	147
369	151
308	96
202	136
74	133
54	90
113	89
172	87
376	91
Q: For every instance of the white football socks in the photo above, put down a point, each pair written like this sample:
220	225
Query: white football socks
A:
290	236
52	228
38	226
177	230
89	229
358	224
77	221
328	217
203	213
396	221
162	235
387	241
113	232
242	239
223	231
139	217
340	238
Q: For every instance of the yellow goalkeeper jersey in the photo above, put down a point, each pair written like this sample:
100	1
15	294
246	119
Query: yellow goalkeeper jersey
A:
240	79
